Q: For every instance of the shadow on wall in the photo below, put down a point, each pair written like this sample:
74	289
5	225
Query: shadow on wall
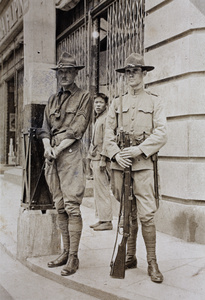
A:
184	224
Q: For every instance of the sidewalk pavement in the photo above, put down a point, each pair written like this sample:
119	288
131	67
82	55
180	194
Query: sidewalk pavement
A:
182	263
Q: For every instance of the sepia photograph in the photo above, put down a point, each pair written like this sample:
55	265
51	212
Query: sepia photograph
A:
102	149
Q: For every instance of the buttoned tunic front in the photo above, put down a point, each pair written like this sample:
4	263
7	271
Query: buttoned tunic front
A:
67	116
142	114
142	117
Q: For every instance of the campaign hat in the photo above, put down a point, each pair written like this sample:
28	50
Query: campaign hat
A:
67	61
135	60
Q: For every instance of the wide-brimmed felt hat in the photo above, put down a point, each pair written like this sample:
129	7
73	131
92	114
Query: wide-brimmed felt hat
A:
67	61
135	60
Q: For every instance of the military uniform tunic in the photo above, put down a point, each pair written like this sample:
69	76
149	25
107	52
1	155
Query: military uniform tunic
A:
142	117
67	116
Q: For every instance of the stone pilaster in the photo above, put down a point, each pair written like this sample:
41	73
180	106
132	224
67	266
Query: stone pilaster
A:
37	229
39	51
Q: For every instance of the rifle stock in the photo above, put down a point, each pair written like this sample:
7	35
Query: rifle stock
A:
118	266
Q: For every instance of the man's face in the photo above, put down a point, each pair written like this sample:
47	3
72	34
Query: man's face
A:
66	76
99	105
134	76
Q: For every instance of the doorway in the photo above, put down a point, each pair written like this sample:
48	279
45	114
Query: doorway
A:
11	124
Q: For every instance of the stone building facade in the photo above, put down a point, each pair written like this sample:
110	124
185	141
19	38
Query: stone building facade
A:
170	34
175	43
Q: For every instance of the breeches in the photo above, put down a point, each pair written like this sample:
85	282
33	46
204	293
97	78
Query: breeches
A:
66	181
143	191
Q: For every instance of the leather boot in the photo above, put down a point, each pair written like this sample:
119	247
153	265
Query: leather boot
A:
62	219
95	225
71	266
103	226
60	260
131	260
75	229
154	272
149	235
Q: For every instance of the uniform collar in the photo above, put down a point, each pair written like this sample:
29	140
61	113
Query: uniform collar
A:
135	92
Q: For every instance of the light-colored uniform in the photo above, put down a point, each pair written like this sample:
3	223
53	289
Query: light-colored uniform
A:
101	186
143	116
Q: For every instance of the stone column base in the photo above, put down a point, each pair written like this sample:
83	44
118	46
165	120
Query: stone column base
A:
37	234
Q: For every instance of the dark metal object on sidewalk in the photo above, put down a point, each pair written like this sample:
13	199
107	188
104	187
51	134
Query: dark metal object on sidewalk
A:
35	193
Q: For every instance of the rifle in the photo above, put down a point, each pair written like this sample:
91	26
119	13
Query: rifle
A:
118	266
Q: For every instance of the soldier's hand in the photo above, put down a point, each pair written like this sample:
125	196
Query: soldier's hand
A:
123	162
56	151
49	153
131	152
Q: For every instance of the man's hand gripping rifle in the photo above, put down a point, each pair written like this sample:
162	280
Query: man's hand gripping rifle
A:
118	265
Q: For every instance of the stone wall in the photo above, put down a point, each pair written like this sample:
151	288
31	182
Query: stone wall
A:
175	45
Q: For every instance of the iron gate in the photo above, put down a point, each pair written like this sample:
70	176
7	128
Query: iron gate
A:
124	34
125	27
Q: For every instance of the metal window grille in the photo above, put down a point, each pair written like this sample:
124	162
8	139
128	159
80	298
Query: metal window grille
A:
125	27
76	44
124	36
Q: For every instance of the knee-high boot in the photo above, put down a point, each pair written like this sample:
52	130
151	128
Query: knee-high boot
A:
131	261
63	226
149	235
75	230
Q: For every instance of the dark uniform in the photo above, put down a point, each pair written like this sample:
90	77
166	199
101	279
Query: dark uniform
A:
67	170
66	118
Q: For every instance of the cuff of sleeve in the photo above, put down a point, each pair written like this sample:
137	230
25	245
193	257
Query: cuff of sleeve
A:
144	153
70	134
43	135
113	157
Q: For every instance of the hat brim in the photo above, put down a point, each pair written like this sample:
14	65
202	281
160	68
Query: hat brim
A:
67	67
144	68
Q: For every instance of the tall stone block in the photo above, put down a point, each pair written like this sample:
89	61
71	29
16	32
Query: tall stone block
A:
37	234
37	229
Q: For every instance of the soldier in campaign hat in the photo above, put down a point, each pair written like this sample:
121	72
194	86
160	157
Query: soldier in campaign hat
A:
66	118
142	116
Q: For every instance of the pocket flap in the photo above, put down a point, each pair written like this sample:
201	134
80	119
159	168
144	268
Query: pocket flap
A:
124	110
147	110
70	111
